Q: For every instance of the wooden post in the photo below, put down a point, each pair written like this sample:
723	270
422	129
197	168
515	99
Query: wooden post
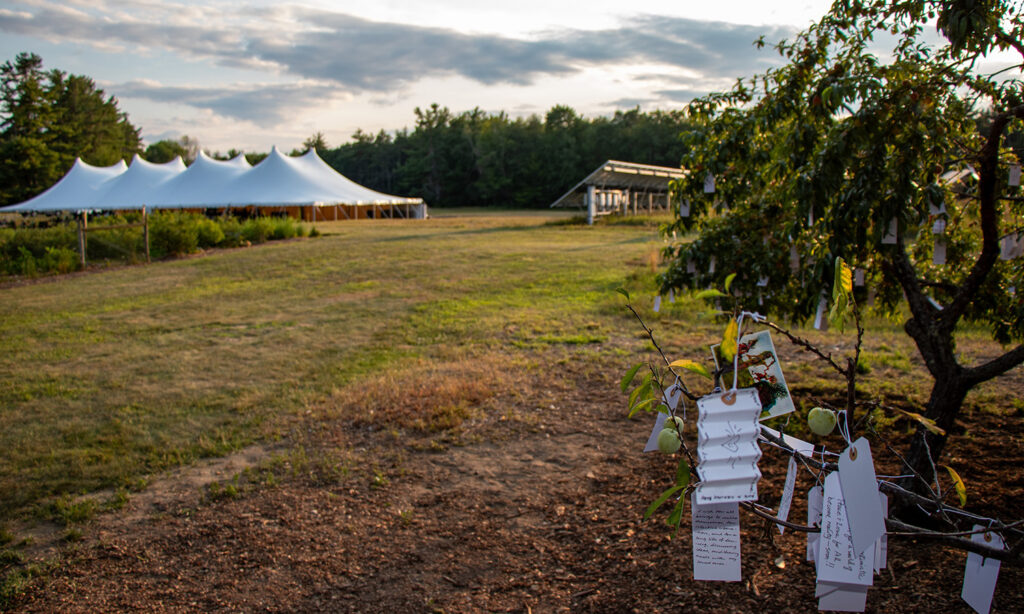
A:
145	231
590	198
83	221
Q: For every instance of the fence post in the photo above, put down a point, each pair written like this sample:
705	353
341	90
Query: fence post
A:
145	231
83	221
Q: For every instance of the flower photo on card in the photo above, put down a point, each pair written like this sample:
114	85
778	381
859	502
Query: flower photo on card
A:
763	372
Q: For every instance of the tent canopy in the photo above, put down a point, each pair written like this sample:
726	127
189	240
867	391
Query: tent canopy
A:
278	180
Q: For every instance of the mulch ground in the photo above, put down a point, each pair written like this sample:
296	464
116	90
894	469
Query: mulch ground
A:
543	515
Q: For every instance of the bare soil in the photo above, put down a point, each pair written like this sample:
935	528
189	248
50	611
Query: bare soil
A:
540	512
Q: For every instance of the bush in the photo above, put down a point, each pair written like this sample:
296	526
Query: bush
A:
209	232
258	230
59	260
232	229
173	234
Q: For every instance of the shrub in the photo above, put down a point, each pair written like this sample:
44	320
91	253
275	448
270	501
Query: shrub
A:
258	230
173	234
209	232
232	229
59	260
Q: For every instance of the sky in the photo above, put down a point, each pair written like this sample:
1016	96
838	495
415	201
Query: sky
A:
257	73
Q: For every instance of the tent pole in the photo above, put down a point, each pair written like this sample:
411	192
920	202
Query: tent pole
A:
145	231
82	222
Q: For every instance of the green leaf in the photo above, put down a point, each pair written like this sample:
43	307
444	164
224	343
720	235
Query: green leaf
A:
689	365
710	293
958	484
627	379
623	292
728	346
676	516
683	473
642	405
639	390
662	498
728	281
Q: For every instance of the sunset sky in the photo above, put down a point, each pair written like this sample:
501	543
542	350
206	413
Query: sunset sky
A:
257	73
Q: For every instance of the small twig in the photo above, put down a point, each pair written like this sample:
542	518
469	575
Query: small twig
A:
807	345
650	335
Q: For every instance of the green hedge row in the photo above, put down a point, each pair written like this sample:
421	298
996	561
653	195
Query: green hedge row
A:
29	251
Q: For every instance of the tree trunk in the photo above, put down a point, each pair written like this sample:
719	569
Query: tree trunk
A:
947	397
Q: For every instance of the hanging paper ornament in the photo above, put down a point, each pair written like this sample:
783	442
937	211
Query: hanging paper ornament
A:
709	183
727	450
939	251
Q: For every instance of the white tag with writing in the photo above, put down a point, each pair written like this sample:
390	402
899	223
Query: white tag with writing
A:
939	251
691	266
820	322
814	497
837	560
652	441
671	295
981	573
787	493
860	489
882	545
801	446
890	234
858	277
709	183
837	597
716	541
684	208
1014	179
657	303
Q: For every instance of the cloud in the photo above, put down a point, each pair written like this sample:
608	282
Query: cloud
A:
262	104
330	53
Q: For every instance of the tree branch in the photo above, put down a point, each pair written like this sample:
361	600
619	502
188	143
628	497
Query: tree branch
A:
994	367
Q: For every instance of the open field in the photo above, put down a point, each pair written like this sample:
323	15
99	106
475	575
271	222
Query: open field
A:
410	380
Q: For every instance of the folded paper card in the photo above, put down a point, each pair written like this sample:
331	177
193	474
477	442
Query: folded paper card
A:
727	450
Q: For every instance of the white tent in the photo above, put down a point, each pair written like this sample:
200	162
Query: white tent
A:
301	184
79	186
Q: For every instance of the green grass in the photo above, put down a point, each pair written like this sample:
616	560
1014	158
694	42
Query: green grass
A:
112	376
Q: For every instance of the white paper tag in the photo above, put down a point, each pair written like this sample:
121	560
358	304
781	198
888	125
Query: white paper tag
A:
939	251
1014	178
939	226
711	265
801	446
657	303
787	493
673	394
814	497
936	208
981	573
794	259
652	441
762	282
716	541
709	183
860	489
837	597
882	545
820	322
810	217
671	295
836	559
727	450
858	277
691	266
891	232
684	209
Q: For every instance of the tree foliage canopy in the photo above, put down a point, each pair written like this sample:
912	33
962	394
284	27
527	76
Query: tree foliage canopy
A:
854	149
47	118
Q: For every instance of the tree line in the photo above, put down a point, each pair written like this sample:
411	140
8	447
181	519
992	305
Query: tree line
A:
450	159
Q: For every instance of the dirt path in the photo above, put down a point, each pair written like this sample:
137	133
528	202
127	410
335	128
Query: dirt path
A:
541	519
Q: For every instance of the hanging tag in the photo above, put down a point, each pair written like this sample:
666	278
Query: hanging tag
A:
1014	178
787	493
716	541
858	277
709	183
794	259
684	209
671	295
799	445
837	559
981	573
814	499
652	441
939	226
839	597
657	303
939	251
727	450
820	323
810	216
882	545
760	299
762	282
936	208
890	235
672	395
711	266
1010	246
691	266
860	490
